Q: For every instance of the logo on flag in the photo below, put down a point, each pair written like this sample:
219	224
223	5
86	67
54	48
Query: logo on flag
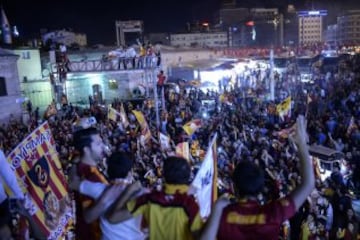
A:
36	165
40	172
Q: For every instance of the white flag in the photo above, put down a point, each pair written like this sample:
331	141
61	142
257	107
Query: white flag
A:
206	179
164	141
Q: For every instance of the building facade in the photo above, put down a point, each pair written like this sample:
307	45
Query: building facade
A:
88	78
158	38
348	30
65	37
10	94
125	27
291	26
232	20
262	27
268	29
331	35
28	64
311	26
204	39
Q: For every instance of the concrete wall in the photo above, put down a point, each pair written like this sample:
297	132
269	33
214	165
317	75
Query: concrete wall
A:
177	58
29	64
10	104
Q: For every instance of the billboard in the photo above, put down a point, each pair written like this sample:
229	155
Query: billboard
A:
130	26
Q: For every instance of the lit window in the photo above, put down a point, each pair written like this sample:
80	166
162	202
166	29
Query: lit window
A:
113	84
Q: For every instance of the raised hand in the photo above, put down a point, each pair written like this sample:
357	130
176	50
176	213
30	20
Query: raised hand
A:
300	136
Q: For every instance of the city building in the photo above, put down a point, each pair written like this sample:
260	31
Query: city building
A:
262	27
89	75
10	94
160	38
68	38
202	39
311	26
331	35
291	26
28	64
131	27
268	27
349	27
232	20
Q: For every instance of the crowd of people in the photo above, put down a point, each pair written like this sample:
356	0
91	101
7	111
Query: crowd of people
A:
134	57
250	133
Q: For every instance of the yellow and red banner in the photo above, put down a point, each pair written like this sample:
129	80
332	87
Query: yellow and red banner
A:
182	149
192	126
36	164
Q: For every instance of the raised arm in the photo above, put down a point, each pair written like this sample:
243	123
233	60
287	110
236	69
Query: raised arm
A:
94	212
118	211
307	184
212	226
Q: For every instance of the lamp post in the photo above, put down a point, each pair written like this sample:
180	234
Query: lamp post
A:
272	80
156	98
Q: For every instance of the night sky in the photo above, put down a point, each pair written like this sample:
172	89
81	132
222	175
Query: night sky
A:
97	18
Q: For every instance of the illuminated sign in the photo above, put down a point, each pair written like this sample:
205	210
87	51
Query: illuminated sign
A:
312	13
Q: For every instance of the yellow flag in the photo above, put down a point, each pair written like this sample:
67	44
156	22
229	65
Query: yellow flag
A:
145	130
192	126
112	114
284	108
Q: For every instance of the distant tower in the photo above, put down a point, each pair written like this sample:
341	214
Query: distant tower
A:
5	28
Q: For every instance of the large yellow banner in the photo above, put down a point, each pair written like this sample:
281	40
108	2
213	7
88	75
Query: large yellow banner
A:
41	178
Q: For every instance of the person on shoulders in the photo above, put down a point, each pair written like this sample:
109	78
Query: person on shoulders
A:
119	171
91	148
170	213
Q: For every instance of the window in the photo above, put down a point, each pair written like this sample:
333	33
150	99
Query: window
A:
25	55
113	85
3	91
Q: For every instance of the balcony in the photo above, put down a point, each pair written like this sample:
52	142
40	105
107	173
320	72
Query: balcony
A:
113	64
